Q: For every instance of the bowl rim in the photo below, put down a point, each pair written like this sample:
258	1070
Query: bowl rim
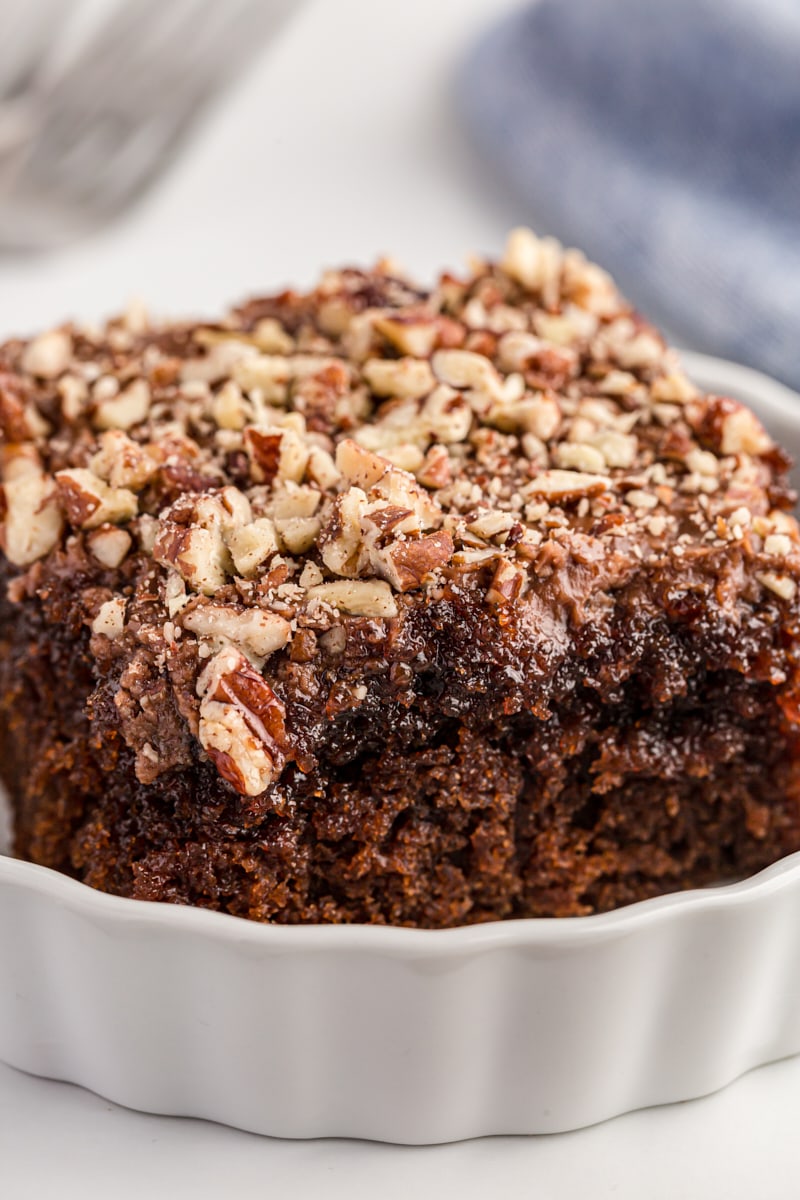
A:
551	933
535	933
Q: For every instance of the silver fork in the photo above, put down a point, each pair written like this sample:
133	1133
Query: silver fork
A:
30	31
108	125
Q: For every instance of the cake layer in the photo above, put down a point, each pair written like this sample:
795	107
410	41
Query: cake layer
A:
378	604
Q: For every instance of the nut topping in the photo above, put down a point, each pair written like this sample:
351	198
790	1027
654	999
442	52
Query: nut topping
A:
566	485
242	723
31	518
399	377
256	632
123	463
252	545
405	564
126	409
358	465
110	619
109	545
276	454
371	598
88	502
48	355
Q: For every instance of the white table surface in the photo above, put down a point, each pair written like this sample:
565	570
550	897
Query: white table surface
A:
340	146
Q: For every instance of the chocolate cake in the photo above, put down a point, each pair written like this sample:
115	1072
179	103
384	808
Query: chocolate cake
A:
380	604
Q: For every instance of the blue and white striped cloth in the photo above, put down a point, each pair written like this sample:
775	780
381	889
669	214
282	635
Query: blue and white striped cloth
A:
662	138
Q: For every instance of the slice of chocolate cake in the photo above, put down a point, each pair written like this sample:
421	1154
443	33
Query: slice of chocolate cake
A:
389	605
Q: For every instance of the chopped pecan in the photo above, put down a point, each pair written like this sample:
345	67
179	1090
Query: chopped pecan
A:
298	534
436	470
566	485
341	541
122	462
508	583
320	395
446	416
191	537
48	355
410	333
196	553
20	420
321	469
360	598
229	407
388	518
578	456
109	544
88	501
743	433
360	466
252	545
782	585
126	409
399	377
269	373
538	414
242	723
31	518
255	631
110	619
534	262
265	452
401	488
18	459
405	564
727	426
466	369
276	454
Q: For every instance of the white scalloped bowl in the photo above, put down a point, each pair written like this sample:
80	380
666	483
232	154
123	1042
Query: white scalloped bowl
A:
413	1036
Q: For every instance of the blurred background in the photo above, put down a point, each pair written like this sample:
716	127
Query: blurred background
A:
191	151
337	141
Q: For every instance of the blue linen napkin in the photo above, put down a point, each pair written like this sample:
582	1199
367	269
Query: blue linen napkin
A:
663	138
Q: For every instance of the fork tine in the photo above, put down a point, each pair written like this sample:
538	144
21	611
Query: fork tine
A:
32	30
113	69
116	120
219	51
106	55
192	59
149	39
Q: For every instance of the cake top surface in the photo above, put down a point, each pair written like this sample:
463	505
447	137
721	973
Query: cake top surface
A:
256	489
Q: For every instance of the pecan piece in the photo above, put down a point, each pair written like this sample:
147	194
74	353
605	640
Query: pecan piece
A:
566	485
406	564
48	355
436	469
122	462
359	597
242	723
109	545
508	583
125	409
276	454
89	502
20	420
196	553
31	518
254	630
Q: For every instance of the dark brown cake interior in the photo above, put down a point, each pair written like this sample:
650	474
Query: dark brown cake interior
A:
432	816
593	704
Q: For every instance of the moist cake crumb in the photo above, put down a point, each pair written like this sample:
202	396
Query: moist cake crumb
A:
390	604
